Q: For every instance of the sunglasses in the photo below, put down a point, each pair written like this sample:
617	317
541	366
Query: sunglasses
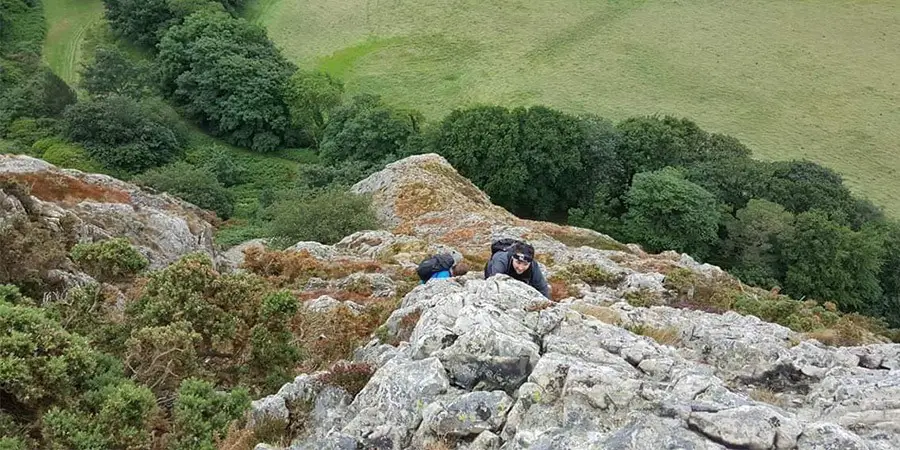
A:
522	258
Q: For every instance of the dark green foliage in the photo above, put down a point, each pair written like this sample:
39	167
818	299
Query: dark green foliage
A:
112	72
365	129
201	414
228	75
42	94
482	144
123	134
22	28
734	181
144	22
10	294
651	143
665	212
310	97
802	186
553	149
536	162
325	216
140	21
109	260
273	355
318	176
754	238
827	261
197	185
889	277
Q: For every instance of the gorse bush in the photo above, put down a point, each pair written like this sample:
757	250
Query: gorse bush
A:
109	260
41	362
201	414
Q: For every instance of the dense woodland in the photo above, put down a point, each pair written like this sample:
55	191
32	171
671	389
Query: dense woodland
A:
288	143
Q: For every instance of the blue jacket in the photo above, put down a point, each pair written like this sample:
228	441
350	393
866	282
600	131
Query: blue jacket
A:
439	275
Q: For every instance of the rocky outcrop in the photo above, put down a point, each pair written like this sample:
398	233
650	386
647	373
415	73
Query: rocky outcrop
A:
99	207
491	364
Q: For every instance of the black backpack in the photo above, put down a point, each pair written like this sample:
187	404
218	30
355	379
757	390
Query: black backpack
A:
501	245
433	265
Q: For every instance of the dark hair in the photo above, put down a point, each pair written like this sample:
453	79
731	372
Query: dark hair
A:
523	248
459	269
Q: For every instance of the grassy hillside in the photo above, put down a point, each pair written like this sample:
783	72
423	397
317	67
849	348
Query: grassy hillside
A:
814	79
67	23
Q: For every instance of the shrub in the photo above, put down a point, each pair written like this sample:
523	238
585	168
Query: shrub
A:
196	185
28	131
161	357
324	217
67	155
40	362
122	133
41	94
273	355
109	260
88	311
123	419
201	414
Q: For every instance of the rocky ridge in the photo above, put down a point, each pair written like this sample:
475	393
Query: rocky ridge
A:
96	207
490	364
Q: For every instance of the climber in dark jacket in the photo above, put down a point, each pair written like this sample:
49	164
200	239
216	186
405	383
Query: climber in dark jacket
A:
518	262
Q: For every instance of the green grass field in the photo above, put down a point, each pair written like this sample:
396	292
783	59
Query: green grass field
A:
815	79
67	24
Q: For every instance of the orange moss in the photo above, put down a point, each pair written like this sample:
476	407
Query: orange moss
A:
465	235
416	199
66	189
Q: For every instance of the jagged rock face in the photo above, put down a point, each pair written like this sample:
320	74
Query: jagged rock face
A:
160	226
490	365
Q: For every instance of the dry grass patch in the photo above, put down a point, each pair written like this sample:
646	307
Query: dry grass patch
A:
663	336
766	395
602	313
286	268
